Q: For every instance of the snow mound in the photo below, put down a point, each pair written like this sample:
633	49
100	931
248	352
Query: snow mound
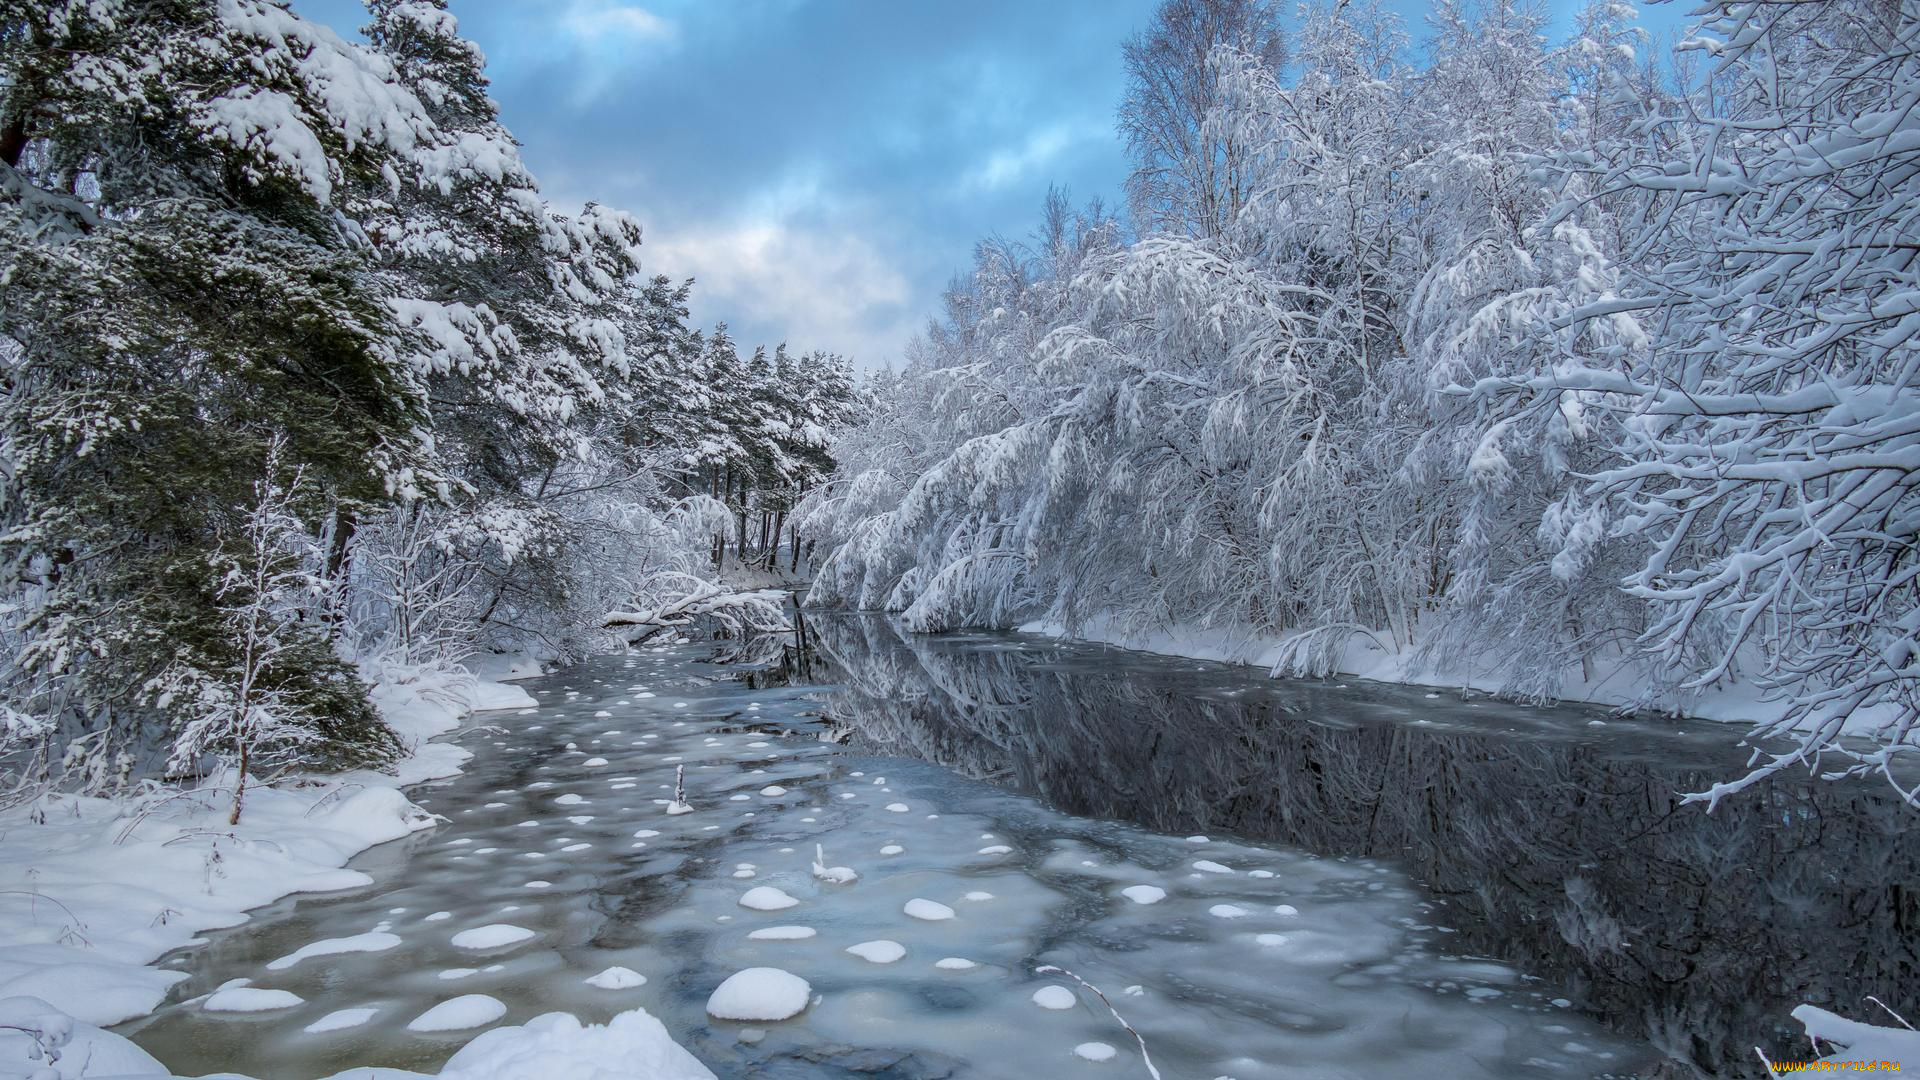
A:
339	1020
459	1014
556	1045
835	875
927	910
617	978
955	963
766	898
1054	997
1144	894
491	936
878	952
29	1022
1860	1042
1094	1051
783	933
246	999
359	943
760	993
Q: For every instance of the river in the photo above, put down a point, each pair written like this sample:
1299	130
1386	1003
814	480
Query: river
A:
1359	880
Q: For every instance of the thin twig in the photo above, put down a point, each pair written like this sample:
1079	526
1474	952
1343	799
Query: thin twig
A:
1049	969
1890	1012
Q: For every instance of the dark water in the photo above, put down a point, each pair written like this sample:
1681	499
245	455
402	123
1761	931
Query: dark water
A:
1554	844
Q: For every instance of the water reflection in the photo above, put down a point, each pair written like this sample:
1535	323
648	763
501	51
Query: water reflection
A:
1558	845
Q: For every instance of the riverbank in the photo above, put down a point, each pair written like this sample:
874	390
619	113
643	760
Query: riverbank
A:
98	889
1375	656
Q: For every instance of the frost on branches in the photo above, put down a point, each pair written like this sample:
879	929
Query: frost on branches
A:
236	237
1559	370
241	693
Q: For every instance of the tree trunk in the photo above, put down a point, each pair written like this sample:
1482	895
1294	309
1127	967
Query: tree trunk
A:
239	788
345	524
773	541
13	141
740	518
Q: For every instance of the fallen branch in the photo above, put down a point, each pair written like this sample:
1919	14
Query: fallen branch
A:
1049	969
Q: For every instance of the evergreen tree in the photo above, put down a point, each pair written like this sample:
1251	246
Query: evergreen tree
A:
183	289
516	314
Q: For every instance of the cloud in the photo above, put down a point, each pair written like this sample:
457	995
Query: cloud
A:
592	21
813	286
600	43
1031	157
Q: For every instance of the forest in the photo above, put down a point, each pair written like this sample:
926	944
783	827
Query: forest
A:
308	388
1537	368
414	620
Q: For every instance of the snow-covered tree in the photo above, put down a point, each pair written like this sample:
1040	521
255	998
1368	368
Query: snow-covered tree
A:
1520	363
181	285
1763	433
1190	178
267	689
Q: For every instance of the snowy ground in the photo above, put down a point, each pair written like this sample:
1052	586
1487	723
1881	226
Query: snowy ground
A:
93	891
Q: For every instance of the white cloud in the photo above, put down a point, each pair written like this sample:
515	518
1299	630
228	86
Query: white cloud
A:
593	21
814	287
602	41
1033	155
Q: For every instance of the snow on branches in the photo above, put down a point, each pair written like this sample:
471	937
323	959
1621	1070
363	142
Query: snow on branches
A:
1522	366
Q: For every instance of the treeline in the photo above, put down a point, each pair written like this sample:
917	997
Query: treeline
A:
307	386
755	436
1532	363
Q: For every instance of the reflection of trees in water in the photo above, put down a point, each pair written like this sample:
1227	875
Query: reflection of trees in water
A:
1576	861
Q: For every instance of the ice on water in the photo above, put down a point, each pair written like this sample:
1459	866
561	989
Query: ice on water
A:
1250	962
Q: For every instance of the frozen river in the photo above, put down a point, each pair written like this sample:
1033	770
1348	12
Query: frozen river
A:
1266	880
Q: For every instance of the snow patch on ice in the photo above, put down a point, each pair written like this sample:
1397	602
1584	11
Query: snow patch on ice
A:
878	952
247	999
1055	997
760	993
927	910
340	1019
767	898
459	1014
783	933
617	978
359	943
491	936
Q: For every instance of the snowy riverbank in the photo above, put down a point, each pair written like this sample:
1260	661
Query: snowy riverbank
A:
1374	656
97	889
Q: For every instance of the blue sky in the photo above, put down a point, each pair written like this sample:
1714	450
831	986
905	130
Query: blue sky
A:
823	167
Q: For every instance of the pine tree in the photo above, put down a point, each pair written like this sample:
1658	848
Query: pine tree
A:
515	317
182	290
